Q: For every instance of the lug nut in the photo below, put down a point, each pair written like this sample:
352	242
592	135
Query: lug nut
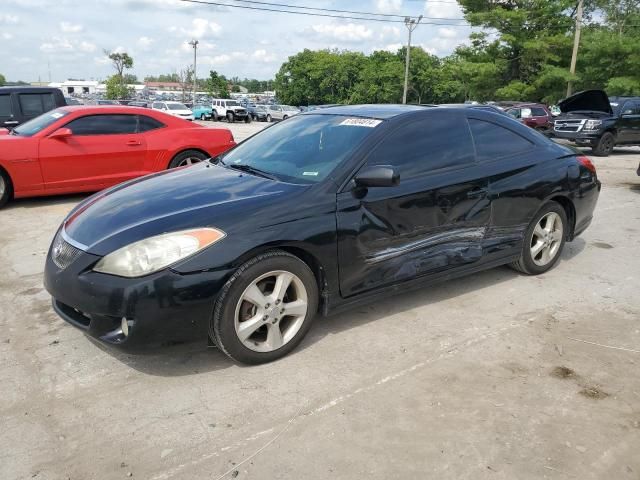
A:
277	302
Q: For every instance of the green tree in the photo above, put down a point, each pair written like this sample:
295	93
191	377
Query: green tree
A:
121	62
3	80
217	85
116	88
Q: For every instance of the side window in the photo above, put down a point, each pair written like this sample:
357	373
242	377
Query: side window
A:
156	105
525	113
493	141
5	106
426	145
148	123
48	102
31	104
631	108
538	112
514	112
103	125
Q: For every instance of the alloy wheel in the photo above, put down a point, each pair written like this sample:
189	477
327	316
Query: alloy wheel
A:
188	161
3	186
546	239
271	311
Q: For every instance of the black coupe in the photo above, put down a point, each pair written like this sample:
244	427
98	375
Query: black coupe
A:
331	208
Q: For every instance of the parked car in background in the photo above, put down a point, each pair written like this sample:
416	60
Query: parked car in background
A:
136	103
281	112
72	101
86	149
324	211
203	112
477	106
258	112
230	109
20	104
555	110
591	119
105	102
534	115
176	109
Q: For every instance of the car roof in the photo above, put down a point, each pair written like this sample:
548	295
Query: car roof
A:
29	89
381	112
105	109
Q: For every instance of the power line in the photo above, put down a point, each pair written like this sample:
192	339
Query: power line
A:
344	17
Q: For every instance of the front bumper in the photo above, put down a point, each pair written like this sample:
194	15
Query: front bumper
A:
162	307
580	138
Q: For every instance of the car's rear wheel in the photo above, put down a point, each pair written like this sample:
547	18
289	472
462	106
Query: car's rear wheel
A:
544	240
214	116
265	309
230	117
285	117
6	188
269	118
604	145
247	119
186	158
203	117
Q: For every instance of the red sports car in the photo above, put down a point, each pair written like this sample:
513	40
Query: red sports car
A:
86	149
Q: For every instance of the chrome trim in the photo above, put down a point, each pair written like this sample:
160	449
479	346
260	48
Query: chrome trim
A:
71	241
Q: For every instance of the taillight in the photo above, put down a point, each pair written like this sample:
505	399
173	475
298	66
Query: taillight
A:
585	162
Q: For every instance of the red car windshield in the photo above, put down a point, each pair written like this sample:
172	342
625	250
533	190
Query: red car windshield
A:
38	124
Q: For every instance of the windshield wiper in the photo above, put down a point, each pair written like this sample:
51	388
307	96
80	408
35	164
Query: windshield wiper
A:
252	170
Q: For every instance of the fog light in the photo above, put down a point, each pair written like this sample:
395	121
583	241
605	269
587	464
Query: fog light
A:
125	326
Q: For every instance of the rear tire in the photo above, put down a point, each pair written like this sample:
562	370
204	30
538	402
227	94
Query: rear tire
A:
214	116
269	118
235	310
203	117
186	158
247	119
6	188
604	146
543	240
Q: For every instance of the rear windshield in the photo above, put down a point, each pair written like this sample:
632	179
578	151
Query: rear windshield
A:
38	124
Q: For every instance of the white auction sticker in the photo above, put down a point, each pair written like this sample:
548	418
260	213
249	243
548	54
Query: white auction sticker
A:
361	122
57	115
310	174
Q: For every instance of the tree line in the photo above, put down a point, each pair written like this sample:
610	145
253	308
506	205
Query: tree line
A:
523	53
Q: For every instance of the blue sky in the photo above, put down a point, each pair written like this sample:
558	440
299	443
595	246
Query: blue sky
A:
70	35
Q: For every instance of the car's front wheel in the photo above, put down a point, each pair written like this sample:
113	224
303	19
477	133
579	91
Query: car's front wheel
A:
544	240
230	117
203	117
269	118
604	145
5	188
247	119
265	309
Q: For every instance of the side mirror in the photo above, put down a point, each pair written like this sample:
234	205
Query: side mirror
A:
61	133
378	176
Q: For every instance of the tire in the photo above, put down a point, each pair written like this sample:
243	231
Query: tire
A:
188	157
6	188
258	345
604	146
269	118
203	117
552	240
230	117
214	116
285	117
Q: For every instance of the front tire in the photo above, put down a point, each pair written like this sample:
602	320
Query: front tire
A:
247	119
230	118
269	118
265	309
6	188
604	146
203	117
186	158
544	240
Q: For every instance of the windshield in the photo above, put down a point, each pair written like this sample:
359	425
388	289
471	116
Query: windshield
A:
304	149
177	106
232	103
39	123
616	107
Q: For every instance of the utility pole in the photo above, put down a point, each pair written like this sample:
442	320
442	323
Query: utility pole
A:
194	44
411	25
576	44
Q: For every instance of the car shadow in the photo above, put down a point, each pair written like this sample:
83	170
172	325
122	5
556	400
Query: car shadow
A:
571	249
38	202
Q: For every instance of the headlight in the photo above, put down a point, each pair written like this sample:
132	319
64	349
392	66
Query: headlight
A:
155	253
592	124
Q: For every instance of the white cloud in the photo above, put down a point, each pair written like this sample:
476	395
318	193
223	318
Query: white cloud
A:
87	47
388	6
221	59
68	27
350	32
200	27
144	43
446	32
263	56
7	19
57	45
389	32
442	10
6	36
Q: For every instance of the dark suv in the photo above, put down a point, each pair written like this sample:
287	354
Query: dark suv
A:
592	119
19	104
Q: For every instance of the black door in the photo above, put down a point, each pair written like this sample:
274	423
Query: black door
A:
629	123
7	111
435	219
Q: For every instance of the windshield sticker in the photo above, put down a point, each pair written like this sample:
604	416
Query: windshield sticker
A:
361	122
57	115
310	174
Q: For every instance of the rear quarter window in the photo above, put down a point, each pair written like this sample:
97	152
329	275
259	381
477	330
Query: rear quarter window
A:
494	141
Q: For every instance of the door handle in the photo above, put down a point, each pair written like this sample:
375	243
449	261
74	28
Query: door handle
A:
133	143
476	192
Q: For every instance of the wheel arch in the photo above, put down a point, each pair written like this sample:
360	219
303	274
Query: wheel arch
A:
570	210
7	175
186	149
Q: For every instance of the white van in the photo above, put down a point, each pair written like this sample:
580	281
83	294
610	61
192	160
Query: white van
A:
229	109
176	109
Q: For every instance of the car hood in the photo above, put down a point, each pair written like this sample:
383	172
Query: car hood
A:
203	195
181	112
589	100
